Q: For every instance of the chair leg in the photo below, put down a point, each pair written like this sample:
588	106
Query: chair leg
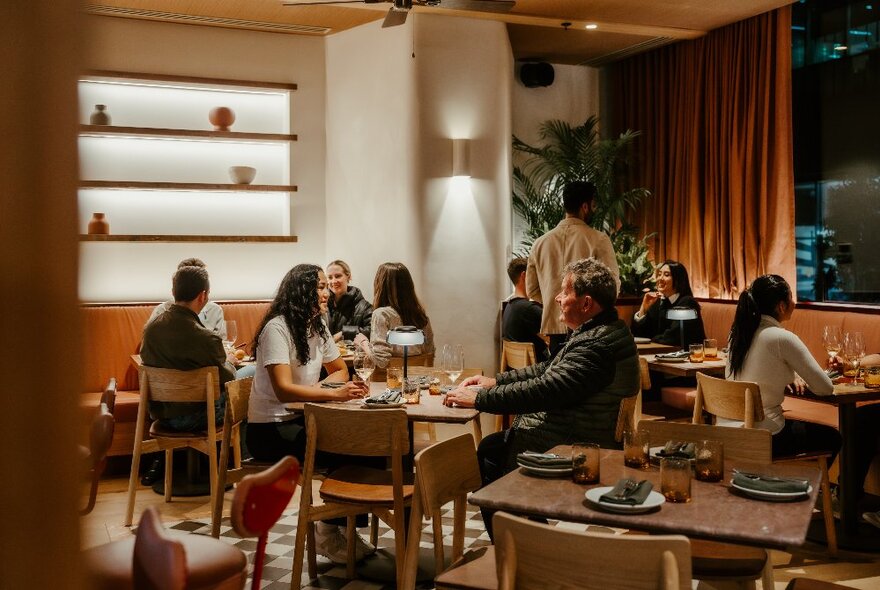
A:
459	513
212	471
437	528
827	510
133	482
303	526
767	581
169	469
236	447
399	544
310	550
350	532
478	430
411	560
220	495
374	530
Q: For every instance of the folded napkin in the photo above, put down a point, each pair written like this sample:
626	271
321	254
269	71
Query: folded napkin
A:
628	491
543	460
770	483
389	396
678	450
678	354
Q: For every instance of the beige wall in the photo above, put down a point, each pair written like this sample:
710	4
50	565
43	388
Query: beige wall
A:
239	271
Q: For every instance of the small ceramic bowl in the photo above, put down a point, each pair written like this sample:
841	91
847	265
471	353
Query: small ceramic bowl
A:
242	174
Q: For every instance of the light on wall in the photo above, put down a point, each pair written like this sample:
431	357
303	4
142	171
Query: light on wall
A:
460	162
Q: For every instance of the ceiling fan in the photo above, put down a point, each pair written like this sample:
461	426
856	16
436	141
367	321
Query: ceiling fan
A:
400	8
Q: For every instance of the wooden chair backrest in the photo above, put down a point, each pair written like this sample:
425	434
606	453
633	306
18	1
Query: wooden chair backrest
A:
516	355
238	394
171	385
533	555
627	418
353	431
159	562
101	434
109	395
733	400
644	374
261	498
740	444
446	470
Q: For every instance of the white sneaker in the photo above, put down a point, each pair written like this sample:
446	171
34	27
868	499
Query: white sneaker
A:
872	518
333	545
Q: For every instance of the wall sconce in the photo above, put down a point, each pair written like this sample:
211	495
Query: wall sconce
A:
460	161
682	314
405	336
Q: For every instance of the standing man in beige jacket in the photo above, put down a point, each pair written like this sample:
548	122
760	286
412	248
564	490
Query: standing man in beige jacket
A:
572	239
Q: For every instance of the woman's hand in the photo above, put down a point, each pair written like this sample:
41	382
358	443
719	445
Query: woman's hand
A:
648	300
484	382
337	336
347	391
798	386
361	341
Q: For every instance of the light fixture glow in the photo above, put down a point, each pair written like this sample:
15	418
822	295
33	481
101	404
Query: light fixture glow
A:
406	336
460	161
840	48
592	26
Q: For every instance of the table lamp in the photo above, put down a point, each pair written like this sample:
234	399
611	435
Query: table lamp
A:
405	336
681	314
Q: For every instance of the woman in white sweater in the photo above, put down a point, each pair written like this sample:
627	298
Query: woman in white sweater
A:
762	351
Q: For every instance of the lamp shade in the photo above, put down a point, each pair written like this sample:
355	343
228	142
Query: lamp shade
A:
406	336
681	313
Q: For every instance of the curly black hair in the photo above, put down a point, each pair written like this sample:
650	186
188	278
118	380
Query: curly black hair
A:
297	303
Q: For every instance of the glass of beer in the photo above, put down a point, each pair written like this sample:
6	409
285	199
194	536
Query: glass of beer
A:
635	449
393	376
696	351
585	463
710	349
675	480
709	460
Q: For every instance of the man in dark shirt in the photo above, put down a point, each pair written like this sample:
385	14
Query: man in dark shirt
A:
521	320
176	339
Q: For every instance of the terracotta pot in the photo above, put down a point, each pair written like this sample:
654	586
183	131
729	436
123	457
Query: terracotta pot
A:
100	116
99	224
221	118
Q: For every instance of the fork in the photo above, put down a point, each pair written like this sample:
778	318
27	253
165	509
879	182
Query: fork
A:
629	487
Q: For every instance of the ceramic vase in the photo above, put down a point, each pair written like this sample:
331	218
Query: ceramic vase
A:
99	224
100	116
221	118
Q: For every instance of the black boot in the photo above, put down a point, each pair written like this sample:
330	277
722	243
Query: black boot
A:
155	472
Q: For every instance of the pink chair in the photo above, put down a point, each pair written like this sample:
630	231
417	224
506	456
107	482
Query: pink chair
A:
100	438
259	501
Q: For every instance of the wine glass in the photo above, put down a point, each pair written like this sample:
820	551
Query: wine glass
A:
363	365
231	335
854	350
832	340
452	361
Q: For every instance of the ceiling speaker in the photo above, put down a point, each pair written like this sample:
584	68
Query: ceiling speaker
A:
533	75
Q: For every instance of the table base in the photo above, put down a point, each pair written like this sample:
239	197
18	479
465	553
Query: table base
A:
189	478
866	540
380	567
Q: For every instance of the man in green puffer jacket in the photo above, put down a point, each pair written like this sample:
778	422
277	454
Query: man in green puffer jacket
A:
575	396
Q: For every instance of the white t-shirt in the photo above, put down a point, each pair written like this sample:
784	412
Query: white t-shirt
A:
772	361
276	347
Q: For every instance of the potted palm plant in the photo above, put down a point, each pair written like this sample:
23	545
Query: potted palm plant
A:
568	153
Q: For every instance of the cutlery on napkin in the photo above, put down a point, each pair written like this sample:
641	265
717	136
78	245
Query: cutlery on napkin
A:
628	491
678	449
770	483
679	354
389	396
543	460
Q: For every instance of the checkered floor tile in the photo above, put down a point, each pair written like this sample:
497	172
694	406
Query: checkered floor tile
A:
279	550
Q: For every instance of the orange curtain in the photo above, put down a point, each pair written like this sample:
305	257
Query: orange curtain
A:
716	151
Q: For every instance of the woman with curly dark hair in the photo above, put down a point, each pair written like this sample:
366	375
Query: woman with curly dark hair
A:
292	345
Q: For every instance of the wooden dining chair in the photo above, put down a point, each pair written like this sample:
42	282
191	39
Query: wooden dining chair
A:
514	355
154	560
238	394
100	439
711	560
741	401
445	472
353	489
532	555
171	385
259	501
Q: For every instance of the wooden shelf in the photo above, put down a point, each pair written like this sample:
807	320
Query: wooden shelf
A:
188	81
186	186
148	132
185	238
